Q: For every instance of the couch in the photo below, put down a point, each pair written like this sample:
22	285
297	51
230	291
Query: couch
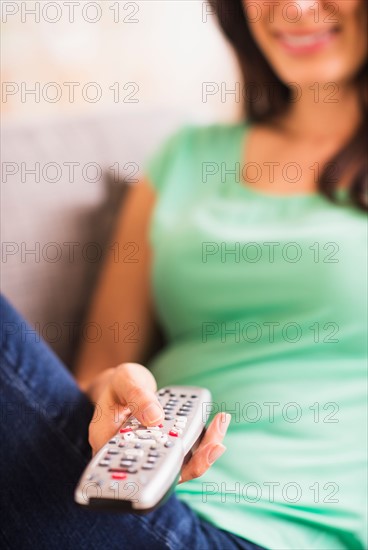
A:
63	181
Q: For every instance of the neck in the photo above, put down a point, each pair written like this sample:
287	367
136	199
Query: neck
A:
324	111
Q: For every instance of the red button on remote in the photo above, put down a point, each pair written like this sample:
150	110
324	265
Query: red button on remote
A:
118	476
125	430
174	434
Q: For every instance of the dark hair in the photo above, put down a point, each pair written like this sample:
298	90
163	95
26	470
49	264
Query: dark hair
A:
268	97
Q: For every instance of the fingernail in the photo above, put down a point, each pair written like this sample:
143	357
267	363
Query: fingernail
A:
223	423
153	413
215	453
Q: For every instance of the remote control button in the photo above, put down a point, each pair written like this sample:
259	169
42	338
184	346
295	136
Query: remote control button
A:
138	445
151	459
153	447
194	396
157	435
113	451
104	463
169	443
154	429
172	394
126	430
145	440
129	436
173	433
126	462
112	441
169	417
146	437
153	453
119	475
182	413
179	423
129	457
132	470
162	392
182	420
149	432
178	429
162	439
148	466
131	454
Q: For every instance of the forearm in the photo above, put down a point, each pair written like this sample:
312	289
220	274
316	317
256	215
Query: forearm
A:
121	325
90	363
108	351
113	343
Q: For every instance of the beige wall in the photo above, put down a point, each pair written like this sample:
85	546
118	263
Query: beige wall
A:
162	51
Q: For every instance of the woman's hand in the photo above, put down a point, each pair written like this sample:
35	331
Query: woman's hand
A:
130	389
209	449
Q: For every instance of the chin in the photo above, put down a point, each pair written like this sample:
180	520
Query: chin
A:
332	75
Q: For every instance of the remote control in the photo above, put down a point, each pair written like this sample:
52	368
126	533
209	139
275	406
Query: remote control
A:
137	470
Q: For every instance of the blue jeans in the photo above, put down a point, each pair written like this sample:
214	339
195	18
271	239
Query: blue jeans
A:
44	449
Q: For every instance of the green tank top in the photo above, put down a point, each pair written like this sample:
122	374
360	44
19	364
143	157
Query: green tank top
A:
263	301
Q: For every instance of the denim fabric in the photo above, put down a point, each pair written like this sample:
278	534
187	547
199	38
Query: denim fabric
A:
43	450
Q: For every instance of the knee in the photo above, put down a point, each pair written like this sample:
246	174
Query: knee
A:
12	326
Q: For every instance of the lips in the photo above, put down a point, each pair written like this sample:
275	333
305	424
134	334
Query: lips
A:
306	42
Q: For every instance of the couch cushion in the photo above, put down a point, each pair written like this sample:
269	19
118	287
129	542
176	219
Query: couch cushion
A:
54	232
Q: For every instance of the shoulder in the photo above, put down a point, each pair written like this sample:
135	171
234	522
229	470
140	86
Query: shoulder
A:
194	143
210	133
186	148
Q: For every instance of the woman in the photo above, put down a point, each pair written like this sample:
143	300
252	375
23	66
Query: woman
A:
252	257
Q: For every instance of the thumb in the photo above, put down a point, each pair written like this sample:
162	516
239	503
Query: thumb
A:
130	391
135	386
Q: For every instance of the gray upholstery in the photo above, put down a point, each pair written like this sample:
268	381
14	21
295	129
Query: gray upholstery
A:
51	287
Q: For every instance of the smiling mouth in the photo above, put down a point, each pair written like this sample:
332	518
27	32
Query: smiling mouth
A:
306	42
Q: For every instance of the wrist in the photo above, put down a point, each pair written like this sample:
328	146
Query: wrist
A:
94	387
